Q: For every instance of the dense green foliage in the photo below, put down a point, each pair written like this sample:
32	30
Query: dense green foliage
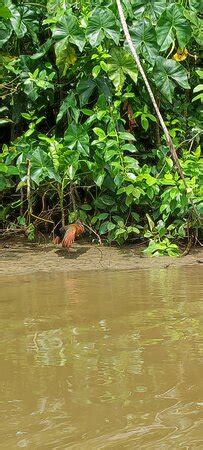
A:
79	136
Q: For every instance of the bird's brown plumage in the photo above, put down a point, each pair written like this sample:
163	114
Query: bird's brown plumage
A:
68	234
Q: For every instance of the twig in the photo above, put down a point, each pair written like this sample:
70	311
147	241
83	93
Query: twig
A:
72	196
41	218
56	227
94	232
22	200
189	140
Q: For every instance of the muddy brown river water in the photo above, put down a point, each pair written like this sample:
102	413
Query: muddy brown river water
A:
102	360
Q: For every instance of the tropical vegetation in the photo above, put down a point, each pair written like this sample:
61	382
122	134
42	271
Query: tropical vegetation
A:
79	135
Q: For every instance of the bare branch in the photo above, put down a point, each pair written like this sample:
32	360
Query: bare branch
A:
94	232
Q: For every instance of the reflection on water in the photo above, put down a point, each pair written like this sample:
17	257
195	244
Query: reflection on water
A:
102	360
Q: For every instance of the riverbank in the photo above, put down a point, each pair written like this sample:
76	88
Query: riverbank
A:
18	256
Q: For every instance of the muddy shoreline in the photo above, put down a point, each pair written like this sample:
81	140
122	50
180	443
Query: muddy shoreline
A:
18	256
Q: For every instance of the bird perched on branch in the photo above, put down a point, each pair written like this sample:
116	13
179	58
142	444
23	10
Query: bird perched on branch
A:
66	235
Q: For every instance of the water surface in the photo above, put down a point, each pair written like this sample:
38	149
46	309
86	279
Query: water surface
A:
102	360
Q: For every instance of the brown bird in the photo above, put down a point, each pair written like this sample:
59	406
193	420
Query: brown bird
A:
66	235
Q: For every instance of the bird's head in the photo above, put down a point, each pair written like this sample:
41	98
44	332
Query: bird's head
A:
78	222
80	226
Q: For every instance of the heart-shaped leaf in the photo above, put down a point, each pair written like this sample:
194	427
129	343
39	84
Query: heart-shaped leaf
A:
85	89
42	167
77	138
120	65
68	30
102	24
17	23
144	38
171	25
166	71
69	107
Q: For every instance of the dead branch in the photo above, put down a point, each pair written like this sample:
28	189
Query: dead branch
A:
94	232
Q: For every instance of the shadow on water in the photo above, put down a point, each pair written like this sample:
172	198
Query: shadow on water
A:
102	360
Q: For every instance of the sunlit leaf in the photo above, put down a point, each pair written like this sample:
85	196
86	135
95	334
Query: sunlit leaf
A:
65	56
5	12
120	65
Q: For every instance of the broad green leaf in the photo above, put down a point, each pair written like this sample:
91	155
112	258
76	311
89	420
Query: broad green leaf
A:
102	216
3	109
3	168
12	170
65	56
102	24
77	138
166	72
87	112
3	121
86	207
173	25
120	65
5	12
67	29
131	176
69	107
17	23
130	148
151	8
198	97
85	89
144	122
4	183
5	32
71	171
103	228
198	88
104	201
111	226
42	167
42	50
131	163
95	71
144	38
126	136
99	179
100	133
196	25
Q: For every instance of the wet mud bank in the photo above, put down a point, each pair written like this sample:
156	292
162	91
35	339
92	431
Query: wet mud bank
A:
18	256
